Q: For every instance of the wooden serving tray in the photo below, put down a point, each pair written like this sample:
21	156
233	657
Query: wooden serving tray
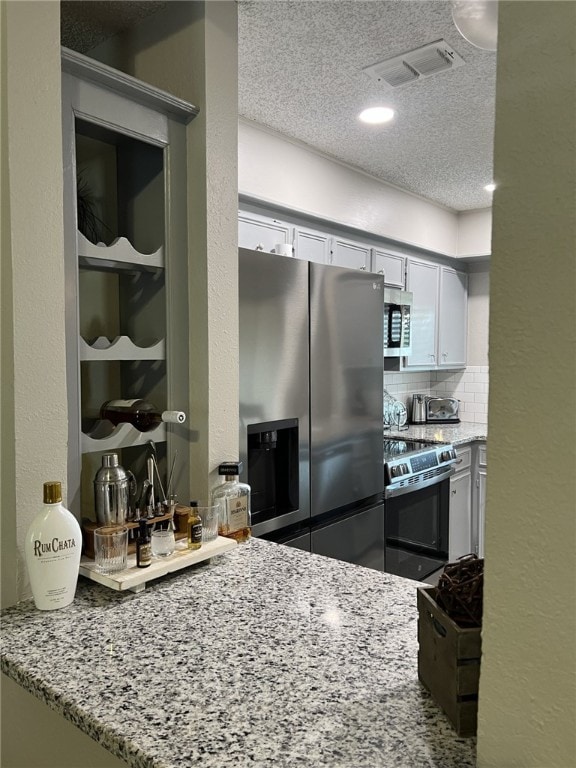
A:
135	579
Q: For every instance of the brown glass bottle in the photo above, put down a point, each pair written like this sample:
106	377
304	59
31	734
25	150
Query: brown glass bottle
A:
143	546
140	413
194	527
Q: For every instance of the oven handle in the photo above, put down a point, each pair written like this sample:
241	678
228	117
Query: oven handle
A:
391	492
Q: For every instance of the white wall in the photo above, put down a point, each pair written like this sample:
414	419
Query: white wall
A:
527	698
183	50
34	399
475	232
478	316
287	173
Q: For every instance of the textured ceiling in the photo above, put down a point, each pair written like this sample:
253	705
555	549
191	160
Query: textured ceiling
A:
300	73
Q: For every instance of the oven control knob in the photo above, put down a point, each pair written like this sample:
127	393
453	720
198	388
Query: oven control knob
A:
405	469
447	455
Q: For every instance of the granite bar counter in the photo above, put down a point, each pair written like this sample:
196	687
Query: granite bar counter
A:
265	656
457	434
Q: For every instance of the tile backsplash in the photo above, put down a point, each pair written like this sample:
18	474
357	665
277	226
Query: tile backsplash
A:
470	386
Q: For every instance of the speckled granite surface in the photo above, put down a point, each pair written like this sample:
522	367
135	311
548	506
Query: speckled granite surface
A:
457	434
266	657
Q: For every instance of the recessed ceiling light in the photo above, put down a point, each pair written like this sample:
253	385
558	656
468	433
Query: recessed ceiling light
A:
490	187
375	115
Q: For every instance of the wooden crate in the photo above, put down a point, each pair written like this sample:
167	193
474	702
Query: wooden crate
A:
448	662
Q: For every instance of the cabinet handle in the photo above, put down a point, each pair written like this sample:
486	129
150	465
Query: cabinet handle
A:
458	461
363	267
454	492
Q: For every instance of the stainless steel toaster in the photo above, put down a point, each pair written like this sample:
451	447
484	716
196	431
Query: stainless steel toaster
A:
442	410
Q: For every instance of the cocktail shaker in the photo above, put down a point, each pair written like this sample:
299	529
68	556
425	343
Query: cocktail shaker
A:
113	486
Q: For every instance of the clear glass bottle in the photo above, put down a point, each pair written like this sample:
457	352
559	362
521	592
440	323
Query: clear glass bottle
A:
52	550
194	527
233	501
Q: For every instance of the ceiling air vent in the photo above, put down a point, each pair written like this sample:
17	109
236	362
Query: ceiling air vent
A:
414	65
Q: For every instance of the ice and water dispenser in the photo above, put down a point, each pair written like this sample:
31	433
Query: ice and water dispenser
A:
273	468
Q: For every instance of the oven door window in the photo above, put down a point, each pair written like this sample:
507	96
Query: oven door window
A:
418	521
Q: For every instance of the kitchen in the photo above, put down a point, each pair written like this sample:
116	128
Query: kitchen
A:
494	351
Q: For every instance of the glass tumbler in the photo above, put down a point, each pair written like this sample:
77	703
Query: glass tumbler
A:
209	515
111	548
163	541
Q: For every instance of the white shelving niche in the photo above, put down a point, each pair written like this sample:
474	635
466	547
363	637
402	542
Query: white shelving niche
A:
126	269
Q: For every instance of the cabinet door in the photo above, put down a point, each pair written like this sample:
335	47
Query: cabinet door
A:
480	506
422	280
481	510
452	323
312	246
459	541
391	265
346	253
262	233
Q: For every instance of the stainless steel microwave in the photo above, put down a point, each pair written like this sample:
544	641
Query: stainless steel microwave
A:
397	322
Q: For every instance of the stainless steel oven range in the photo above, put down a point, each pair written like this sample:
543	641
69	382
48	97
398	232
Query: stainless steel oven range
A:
416	506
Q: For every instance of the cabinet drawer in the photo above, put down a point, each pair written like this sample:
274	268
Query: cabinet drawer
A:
482	462
464	460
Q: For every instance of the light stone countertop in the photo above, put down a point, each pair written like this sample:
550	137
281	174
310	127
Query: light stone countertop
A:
457	434
265	656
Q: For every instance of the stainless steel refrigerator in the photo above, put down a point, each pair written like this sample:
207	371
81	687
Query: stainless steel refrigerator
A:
311	384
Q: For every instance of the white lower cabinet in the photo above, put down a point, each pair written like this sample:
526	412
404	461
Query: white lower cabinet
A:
460	531
480	499
468	501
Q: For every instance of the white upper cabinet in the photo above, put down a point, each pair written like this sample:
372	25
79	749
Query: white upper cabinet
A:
391	265
262	233
310	245
348	253
452	322
439	315
423	279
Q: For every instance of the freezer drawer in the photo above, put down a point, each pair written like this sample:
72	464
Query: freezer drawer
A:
299	542
357	539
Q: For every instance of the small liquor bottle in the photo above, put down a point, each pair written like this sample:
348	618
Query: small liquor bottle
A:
194	527
140	413
233	501
143	546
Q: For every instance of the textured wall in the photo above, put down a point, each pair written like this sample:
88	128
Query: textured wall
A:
34	402
527	707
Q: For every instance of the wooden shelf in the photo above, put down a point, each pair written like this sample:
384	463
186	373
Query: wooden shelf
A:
122	436
120	348
119	255
135	579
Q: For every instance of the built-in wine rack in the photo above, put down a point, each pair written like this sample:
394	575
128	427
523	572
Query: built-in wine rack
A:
126	269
